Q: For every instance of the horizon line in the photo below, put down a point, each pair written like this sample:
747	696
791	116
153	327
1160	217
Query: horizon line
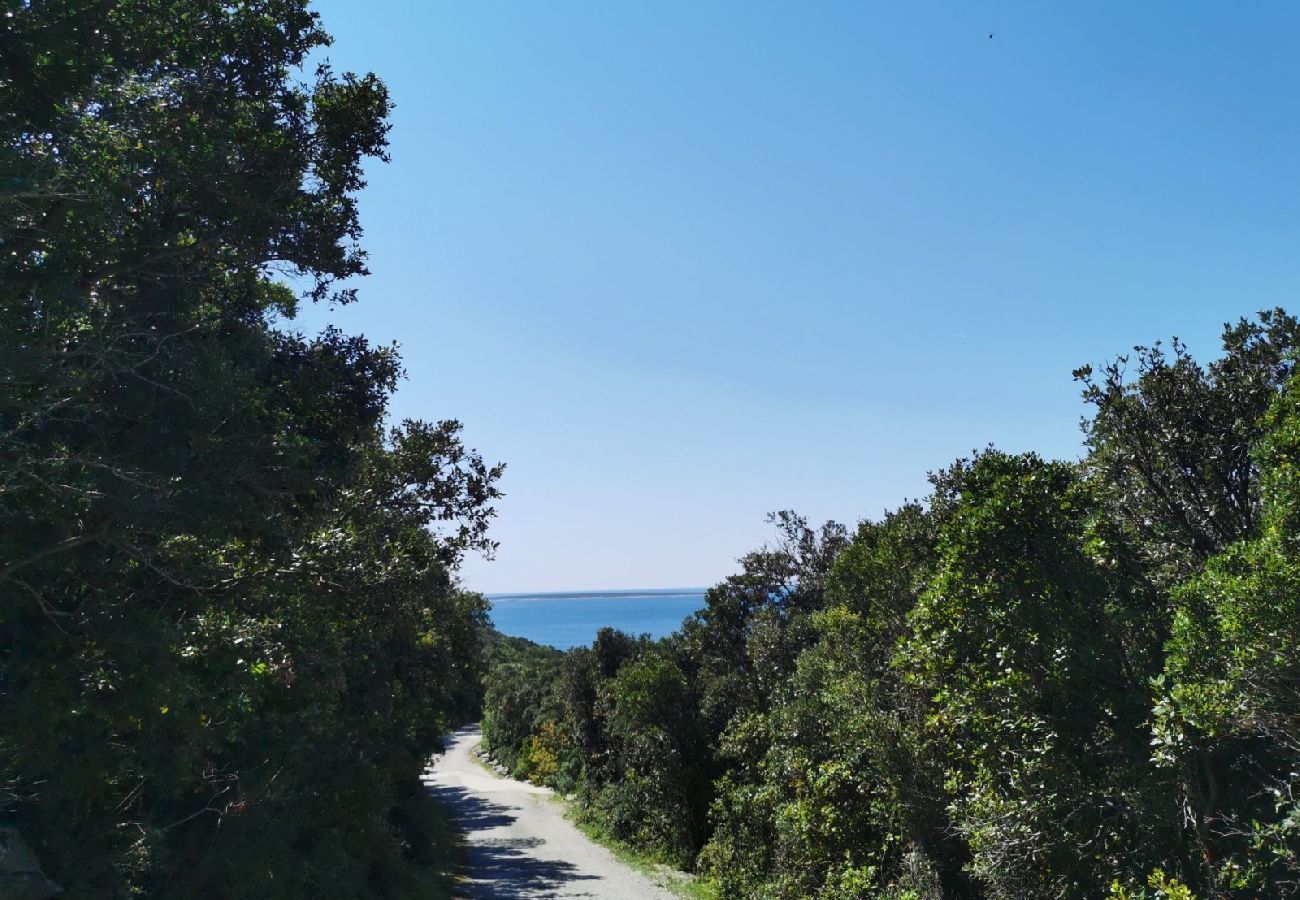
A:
595	591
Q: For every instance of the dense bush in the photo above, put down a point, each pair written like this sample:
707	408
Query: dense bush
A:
1049	679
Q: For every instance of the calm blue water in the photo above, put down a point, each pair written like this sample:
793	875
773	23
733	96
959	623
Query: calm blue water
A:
572	619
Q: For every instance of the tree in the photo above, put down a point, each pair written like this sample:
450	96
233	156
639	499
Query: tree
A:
229	630
844	795
658	796
1229	719
1171	447
1025	640
745	640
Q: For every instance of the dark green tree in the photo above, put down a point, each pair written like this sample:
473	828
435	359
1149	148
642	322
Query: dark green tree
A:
1171	448
1229	718
847	798
229	632
658	795
1035	654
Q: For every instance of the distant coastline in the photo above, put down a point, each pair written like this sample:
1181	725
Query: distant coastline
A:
623	593
567	619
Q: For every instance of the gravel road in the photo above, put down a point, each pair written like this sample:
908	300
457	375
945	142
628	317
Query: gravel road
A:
519	843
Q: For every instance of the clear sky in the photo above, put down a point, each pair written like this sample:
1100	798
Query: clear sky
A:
680	263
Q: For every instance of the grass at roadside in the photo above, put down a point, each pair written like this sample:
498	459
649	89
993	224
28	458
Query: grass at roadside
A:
681	884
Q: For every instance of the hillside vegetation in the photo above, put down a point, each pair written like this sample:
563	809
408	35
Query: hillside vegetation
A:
1045	679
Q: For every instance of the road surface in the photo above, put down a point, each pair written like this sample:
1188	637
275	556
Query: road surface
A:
519	845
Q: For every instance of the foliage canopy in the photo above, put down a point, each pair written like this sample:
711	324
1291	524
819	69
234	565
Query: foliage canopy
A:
229	628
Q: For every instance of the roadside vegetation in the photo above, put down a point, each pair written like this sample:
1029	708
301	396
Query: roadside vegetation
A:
230	631
1045	679
681	884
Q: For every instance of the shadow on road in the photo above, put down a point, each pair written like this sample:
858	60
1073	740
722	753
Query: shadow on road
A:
473	814
502	867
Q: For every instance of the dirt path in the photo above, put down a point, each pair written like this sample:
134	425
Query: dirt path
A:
519	843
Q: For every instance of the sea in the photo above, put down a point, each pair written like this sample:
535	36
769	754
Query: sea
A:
571	618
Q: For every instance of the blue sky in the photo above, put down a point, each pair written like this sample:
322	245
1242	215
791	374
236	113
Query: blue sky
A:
680	264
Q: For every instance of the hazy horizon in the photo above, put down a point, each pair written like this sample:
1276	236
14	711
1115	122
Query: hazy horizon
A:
504	595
